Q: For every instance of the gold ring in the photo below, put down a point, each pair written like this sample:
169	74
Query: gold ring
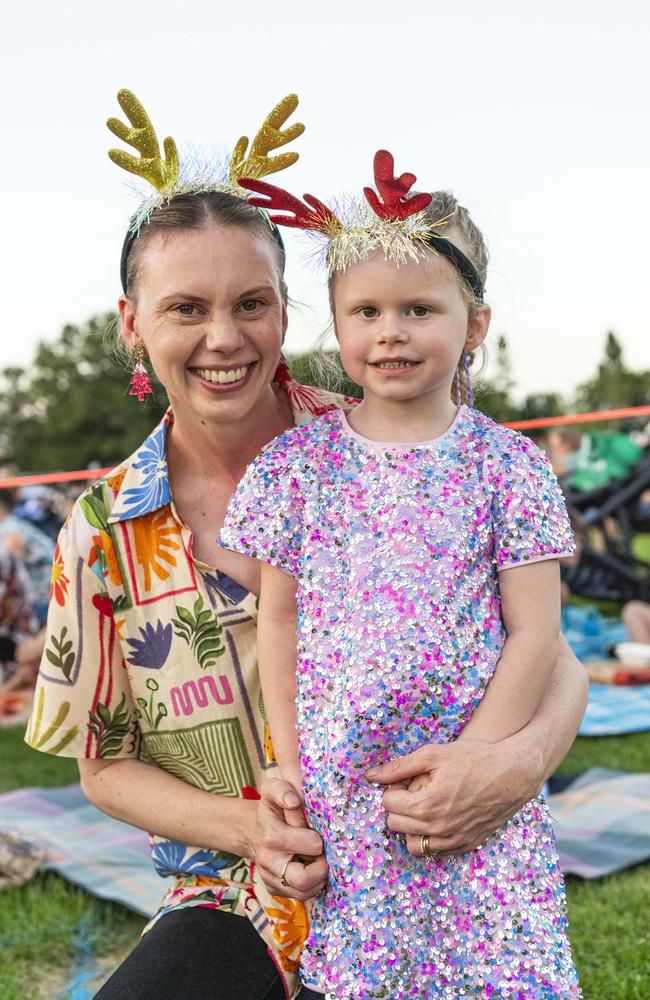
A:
424	847
283	880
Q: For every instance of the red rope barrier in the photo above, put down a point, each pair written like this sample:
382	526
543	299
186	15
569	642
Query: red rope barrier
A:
580	418
519	425
52	477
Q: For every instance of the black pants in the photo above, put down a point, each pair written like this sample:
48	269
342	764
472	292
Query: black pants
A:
199	954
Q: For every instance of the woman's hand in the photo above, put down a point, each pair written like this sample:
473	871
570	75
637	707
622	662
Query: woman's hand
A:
278	846
459	793
466	790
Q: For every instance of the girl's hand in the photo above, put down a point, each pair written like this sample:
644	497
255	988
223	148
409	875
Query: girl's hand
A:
458	793
278	847
294	816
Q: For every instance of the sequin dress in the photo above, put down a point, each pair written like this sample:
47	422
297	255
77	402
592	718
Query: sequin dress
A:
397	550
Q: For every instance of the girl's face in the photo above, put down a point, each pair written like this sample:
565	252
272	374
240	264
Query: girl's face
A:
210	313
402	329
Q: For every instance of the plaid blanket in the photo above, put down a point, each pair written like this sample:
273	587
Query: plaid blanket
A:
613	710
602	825
602	822
107	858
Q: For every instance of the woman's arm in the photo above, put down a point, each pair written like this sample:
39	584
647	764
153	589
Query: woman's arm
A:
276	657
472	788
530	606
151	799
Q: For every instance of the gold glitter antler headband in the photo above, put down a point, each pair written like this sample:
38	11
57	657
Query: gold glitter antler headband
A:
197	173
270	136
161	172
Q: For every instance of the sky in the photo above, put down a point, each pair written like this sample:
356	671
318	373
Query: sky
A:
535	115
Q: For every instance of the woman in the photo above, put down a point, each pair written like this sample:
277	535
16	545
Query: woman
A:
149	675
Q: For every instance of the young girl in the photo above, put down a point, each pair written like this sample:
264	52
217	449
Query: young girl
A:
419	542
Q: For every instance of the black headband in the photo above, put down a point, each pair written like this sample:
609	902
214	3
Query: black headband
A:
462	263
131	237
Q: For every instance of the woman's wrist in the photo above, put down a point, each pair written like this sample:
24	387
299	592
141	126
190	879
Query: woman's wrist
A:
241	828
527	767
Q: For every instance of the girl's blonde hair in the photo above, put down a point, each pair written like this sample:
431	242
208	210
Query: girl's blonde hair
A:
460	230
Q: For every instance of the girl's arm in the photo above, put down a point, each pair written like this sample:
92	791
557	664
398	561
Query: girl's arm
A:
530	600
276	657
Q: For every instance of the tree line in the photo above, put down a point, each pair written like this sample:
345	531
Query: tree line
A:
70	408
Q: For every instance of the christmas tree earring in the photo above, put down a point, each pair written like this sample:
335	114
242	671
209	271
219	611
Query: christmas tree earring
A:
140	382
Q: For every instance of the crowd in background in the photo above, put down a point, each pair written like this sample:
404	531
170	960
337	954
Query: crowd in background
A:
30	520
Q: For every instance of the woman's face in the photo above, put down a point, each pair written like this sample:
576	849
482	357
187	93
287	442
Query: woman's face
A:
210	313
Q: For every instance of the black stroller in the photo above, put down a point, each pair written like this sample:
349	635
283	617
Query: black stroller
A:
607	569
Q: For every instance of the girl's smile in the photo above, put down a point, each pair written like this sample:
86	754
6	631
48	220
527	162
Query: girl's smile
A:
395	367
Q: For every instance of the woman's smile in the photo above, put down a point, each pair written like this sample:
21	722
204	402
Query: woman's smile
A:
224	378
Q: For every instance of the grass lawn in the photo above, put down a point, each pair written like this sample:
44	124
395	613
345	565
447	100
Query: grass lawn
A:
48	928
610	918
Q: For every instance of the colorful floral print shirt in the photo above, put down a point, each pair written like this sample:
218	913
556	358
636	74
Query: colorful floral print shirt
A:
152	655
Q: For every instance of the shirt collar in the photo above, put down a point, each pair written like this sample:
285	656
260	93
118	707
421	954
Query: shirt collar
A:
142	481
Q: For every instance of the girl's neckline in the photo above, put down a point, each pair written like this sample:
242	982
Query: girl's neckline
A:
399	445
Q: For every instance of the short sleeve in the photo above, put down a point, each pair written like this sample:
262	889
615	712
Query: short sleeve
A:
266	512
529	513
82	702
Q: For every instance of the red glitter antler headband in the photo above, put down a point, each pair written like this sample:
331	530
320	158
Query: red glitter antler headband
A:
316	216
389	220
313	215
394	191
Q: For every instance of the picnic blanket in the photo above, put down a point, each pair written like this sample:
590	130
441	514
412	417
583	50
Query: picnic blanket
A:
589	633
107	858
602	822
611	709
602	825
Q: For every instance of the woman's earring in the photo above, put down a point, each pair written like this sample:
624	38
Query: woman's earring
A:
282	374
140	382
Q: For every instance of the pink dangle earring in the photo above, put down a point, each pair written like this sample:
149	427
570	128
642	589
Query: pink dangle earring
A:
140	382
282	375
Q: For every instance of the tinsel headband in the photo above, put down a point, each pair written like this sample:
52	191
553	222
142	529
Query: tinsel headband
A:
389	219
170	176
